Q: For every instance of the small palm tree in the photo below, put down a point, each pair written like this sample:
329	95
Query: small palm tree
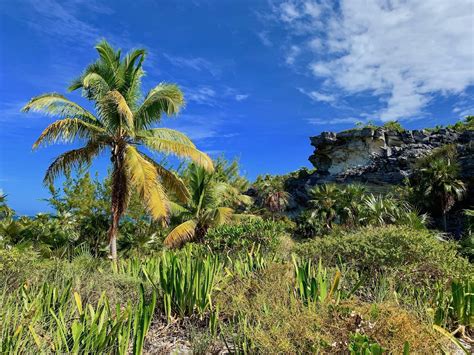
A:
439	181
271	194
123	121
324	199
211	204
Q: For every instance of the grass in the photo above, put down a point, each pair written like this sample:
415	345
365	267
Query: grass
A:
245	302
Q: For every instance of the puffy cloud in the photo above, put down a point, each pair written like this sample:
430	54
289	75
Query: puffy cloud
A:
403	51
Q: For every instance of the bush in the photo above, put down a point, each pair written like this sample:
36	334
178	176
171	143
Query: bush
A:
412	254
240	237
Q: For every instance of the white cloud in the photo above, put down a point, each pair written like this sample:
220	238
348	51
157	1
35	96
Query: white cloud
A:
404	52
292	54
63	20
265	39
318	96
203	95
241	97
331	121
195	63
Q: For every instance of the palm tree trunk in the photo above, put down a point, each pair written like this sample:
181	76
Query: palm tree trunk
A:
445	222
119	197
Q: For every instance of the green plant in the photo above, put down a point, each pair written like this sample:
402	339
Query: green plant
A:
362	345
313	285
122	122
245	263
394	126
455	308
271	195
436	181
233	238
414	256
49	319
184	283
211	204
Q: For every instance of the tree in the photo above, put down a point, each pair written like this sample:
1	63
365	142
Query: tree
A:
271	194
124	120
212	203
440	183
324	200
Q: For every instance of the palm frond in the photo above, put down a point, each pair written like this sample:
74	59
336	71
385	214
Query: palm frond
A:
114	103
133	72
67	130
58	105
170	180
181	234
163	99
96	85
167	134
71	159
179	149
222	215
176	209
144	177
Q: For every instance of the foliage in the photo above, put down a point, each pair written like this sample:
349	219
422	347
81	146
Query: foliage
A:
124	120
213	202
457	307
271	195
50	319
233	238
184	281
464	125
467	241
436	181
350	206
362	345
394	126
313	284
415	256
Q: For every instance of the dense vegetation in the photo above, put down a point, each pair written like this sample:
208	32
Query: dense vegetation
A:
207	261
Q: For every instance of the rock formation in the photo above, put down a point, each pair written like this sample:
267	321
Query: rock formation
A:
380	156
376	157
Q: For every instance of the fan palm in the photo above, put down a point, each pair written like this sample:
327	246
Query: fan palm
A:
440	182
211	204
324	199
123	121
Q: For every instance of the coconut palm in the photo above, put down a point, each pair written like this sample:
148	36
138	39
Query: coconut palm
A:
211	204
124	119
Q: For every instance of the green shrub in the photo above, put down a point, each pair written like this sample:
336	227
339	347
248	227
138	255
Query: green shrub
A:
362	345
241	237
394	126
412	254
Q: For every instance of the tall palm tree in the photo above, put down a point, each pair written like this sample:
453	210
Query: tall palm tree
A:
211	204
124	120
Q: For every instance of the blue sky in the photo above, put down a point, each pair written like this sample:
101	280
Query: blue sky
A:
259	76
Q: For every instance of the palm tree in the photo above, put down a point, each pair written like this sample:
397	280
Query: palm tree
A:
439	181
271	194
324	198
123	121
211	204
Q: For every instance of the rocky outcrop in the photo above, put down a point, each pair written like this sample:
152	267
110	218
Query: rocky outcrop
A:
376	157
380	156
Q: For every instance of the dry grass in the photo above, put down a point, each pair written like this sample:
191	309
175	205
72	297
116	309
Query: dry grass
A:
385	323
281	323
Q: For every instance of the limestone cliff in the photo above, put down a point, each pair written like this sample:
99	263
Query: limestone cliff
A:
376	157
380	156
